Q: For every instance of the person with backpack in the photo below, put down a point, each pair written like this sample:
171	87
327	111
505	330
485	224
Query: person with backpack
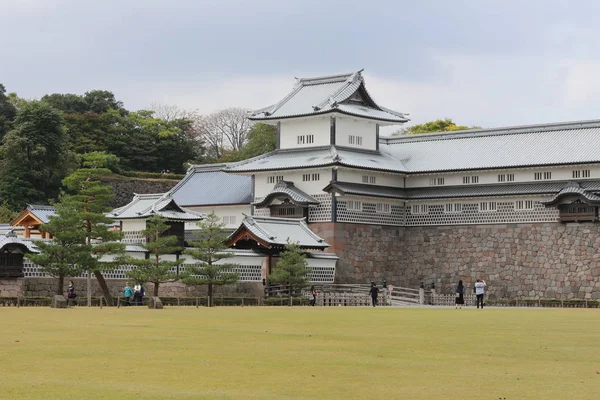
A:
374	292
71	293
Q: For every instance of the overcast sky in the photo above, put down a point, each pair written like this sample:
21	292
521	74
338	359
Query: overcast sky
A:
488	63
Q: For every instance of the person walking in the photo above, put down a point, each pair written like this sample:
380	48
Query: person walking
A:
71	293
374	292
314	294
127	294
479	291
142	294
136	294
460	294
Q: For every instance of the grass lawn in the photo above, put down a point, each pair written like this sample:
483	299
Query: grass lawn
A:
299	353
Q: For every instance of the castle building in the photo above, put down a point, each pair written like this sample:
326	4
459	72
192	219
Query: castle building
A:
435	208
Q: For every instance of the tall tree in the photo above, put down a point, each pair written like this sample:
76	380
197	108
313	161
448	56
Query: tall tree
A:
34	155
209	250
7	112
224	129
100	101
63	256
262	139
291	269
155	269
439	125
89	197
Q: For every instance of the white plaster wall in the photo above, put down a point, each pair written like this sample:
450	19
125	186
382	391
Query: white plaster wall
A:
237	211
346	126
491	177
262	187
381	179
133	225
292	128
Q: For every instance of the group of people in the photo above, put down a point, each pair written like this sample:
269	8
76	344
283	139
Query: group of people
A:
133	296
479	290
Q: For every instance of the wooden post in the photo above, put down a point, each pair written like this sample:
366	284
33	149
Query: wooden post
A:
177	301
18	301
27	231
118	302
242	301
208	301
196	302
101	298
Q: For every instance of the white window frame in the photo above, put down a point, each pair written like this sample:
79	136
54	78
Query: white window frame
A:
355	140
419	209
354	205
453	208
383	208
524	205
369	179
488	206
436	181
274	178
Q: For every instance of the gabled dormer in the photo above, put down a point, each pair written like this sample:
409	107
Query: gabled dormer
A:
328	110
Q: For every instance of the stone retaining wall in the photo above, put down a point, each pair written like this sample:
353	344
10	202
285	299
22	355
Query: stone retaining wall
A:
546	260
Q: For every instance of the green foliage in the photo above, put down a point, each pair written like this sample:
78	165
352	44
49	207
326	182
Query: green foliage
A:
291	268
439	125
7	112
68	251
6	214
88	196
262	139
155	269
34	155
209	249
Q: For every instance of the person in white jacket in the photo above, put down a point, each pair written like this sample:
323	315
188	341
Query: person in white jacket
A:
479	291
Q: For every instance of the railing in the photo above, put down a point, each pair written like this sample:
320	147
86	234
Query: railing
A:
406	296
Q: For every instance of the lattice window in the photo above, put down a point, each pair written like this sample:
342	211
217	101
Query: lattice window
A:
453	208
506	178
436	181
420	209
488	206
470	179
524	205
322	211
581	173
354	205
356	140
383	208
369	179
311	177
274	178
538	176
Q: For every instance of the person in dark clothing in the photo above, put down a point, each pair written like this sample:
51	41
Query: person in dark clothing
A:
314	294
460	294
374	292
71	293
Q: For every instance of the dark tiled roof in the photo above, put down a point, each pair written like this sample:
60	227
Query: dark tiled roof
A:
210	185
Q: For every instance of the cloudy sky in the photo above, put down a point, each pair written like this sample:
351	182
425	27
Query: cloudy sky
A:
489	63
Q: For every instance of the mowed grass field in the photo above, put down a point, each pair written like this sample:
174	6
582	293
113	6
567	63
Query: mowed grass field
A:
299	353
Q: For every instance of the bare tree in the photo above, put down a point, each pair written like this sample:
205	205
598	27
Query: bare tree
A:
224	129
172	112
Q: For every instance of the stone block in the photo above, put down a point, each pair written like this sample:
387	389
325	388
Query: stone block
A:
155	303
58	301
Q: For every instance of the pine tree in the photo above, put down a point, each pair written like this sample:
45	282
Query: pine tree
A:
291	269
63	256
89	196
209	249
155	269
